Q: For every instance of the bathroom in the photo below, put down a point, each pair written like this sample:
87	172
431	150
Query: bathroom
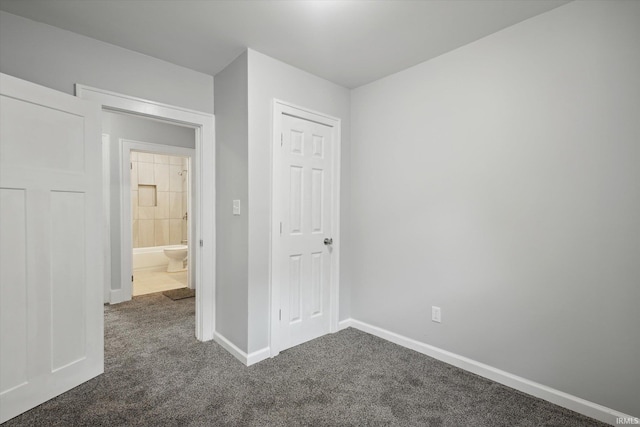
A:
160	221
149	181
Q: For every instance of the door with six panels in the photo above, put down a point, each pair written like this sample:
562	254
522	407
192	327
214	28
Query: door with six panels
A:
305	239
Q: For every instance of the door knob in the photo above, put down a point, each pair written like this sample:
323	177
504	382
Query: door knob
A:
328	241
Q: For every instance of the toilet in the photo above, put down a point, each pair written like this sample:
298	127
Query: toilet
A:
177	254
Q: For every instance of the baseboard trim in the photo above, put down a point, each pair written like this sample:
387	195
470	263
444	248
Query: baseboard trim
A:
258	356
560	398
344	324
246	359
116	296
230	347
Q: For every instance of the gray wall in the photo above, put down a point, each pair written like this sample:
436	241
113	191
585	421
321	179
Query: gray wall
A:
232	184
500	182
269	79
58	59
141	130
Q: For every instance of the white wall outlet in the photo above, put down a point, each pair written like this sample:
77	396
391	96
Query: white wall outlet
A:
436	315
236	207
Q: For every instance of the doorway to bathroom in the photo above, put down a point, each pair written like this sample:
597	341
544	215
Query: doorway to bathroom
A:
202	253
159	210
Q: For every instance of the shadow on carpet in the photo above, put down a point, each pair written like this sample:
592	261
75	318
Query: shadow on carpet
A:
178	294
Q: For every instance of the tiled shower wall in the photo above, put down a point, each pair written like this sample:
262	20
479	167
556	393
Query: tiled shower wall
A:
159	199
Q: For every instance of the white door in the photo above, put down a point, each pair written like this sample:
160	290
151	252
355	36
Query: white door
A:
51	324
304	258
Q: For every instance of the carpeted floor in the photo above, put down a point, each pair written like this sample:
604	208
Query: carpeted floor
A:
157	374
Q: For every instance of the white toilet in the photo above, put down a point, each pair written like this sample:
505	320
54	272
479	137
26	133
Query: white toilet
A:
177	254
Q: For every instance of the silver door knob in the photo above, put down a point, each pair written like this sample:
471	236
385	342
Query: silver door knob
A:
328	241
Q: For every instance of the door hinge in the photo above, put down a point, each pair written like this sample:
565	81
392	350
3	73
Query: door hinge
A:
281	228
201	243
132	277
279	314
131	165
281	139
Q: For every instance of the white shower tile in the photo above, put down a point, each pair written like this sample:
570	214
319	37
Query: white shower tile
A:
175	205
134	174
146	212
162	209
175	179
145	157
184	231
145	173
146	236
161	158
162	232
175	231
136	233
134	205
162	177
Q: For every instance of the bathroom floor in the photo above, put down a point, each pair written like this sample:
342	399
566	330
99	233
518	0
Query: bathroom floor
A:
148	282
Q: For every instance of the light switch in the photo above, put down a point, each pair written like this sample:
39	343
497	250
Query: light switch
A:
236	207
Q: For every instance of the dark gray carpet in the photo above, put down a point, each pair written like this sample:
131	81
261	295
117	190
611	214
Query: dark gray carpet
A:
182	293
157	374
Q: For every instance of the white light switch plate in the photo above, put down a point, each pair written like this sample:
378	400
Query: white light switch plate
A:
236	207
436	314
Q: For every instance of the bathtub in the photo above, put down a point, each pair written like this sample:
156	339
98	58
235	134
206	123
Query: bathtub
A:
150	259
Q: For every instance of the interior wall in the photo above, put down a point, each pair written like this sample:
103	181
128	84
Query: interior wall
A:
58	59
500	182
268	79
139	129
232	184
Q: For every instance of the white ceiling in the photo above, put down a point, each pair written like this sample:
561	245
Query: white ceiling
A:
348	42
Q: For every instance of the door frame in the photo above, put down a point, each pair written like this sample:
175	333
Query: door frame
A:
286	108
126	241
204	195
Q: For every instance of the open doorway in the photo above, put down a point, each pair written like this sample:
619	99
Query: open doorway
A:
201	175
160	223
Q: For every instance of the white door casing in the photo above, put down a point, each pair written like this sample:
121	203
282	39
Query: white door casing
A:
305	214
51	233
203	248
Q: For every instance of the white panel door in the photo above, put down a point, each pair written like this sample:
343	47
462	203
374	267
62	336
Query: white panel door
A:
51	280
304	257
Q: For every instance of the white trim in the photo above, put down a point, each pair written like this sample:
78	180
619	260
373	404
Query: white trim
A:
106	202
258	356
116	296
279	108
230	347
126	244
344	324
246	359
204	200
560	398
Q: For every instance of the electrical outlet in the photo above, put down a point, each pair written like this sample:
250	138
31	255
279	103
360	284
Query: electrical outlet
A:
436	315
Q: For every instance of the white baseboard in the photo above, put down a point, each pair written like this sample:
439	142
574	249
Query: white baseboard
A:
246	359
116	296
258	356
344	324
560	398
